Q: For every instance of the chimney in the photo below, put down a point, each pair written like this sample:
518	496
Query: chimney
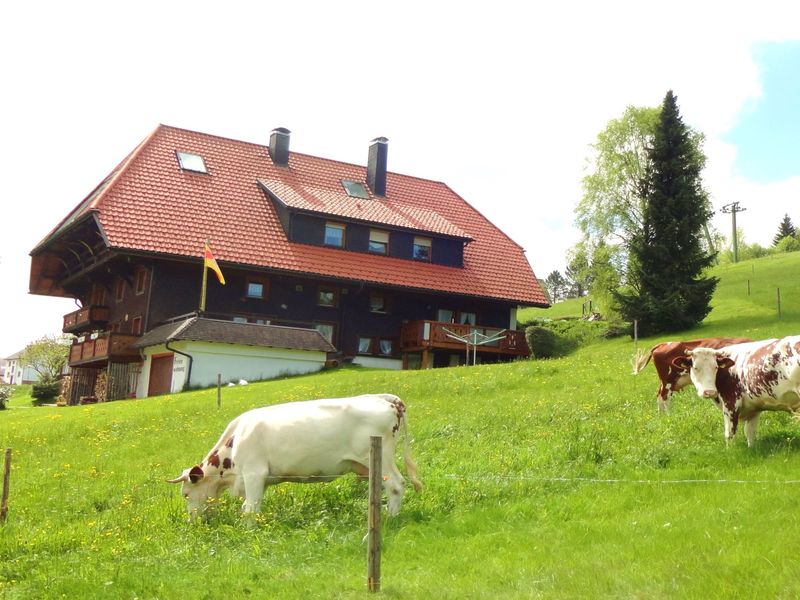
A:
376	165
279	146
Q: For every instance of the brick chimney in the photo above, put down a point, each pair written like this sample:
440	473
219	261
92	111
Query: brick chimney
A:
279	146
376	165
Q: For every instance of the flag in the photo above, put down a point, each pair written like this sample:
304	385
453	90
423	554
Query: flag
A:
211	263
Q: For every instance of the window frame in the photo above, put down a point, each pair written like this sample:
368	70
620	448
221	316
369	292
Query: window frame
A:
140	284
327	324
119	290
385	303
136	325
264	283
383	244
335	225
328	289
426	243
188	161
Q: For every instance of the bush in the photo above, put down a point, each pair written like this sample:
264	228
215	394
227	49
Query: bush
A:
5	394
42	392
541	341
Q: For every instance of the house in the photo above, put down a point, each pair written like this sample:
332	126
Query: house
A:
387	268
16	373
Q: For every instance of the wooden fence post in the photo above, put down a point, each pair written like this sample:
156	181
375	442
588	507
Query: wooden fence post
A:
219	390
374	516
6	482
779	303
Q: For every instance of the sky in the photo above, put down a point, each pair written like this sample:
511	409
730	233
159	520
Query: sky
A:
499	100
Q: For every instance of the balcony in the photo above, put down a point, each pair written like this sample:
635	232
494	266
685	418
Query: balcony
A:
97	348
418	336
86	319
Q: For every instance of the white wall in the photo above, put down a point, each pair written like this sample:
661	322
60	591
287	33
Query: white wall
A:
232	361
375	362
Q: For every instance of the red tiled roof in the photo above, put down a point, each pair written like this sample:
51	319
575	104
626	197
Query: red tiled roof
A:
152	205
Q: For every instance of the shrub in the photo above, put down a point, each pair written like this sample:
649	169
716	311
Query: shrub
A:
42	392
788	244
5	394
541	341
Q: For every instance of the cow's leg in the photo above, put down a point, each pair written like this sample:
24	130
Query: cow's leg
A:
663	398
727	419
254	484
750	429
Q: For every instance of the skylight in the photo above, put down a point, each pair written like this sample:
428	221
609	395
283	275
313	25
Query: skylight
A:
192	162
355	189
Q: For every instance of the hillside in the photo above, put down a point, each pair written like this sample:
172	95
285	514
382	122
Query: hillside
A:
546	479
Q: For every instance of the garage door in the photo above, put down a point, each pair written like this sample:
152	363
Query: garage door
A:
160	375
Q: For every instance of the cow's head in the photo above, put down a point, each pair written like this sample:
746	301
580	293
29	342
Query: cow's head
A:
198	488
703	364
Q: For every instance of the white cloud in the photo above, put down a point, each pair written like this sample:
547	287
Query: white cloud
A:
498	100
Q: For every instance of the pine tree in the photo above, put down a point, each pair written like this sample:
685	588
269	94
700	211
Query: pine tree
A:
667	290
785	229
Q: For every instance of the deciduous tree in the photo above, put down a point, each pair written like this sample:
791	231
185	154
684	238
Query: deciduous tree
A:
47	356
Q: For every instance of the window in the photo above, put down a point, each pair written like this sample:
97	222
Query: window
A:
422	249
467	318
375	346
191	162
327	296
141	282
355	189
377	303
119	290
445	315
98	295
136	326
378	241
326	329
334	234
256	288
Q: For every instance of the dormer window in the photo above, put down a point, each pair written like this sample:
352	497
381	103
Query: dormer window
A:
191	162
378	241
422	249
334	234
355	189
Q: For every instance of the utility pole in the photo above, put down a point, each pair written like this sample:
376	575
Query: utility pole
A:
733	208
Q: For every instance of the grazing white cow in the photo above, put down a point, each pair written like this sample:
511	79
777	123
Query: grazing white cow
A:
307	442
746	379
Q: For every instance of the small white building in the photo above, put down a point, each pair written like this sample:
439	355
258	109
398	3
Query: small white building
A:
15	373
191	353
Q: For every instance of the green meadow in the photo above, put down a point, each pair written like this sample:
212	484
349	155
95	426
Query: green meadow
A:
543	479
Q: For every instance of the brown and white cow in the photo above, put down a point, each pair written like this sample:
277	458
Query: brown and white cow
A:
672	378
746	379
306	442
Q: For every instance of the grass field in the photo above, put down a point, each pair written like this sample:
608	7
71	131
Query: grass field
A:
543	479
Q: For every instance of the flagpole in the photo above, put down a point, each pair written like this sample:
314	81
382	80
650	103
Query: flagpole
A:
205	278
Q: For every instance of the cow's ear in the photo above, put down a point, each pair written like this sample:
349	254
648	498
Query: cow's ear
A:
196	474
723	362
684	363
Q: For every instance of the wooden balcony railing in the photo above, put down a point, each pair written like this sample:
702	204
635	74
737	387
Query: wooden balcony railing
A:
421	335
86	318
98	347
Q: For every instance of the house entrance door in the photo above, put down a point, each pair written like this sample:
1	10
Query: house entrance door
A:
160	375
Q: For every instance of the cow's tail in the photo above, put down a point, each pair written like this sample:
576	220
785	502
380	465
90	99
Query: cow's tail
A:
411	466
640	360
